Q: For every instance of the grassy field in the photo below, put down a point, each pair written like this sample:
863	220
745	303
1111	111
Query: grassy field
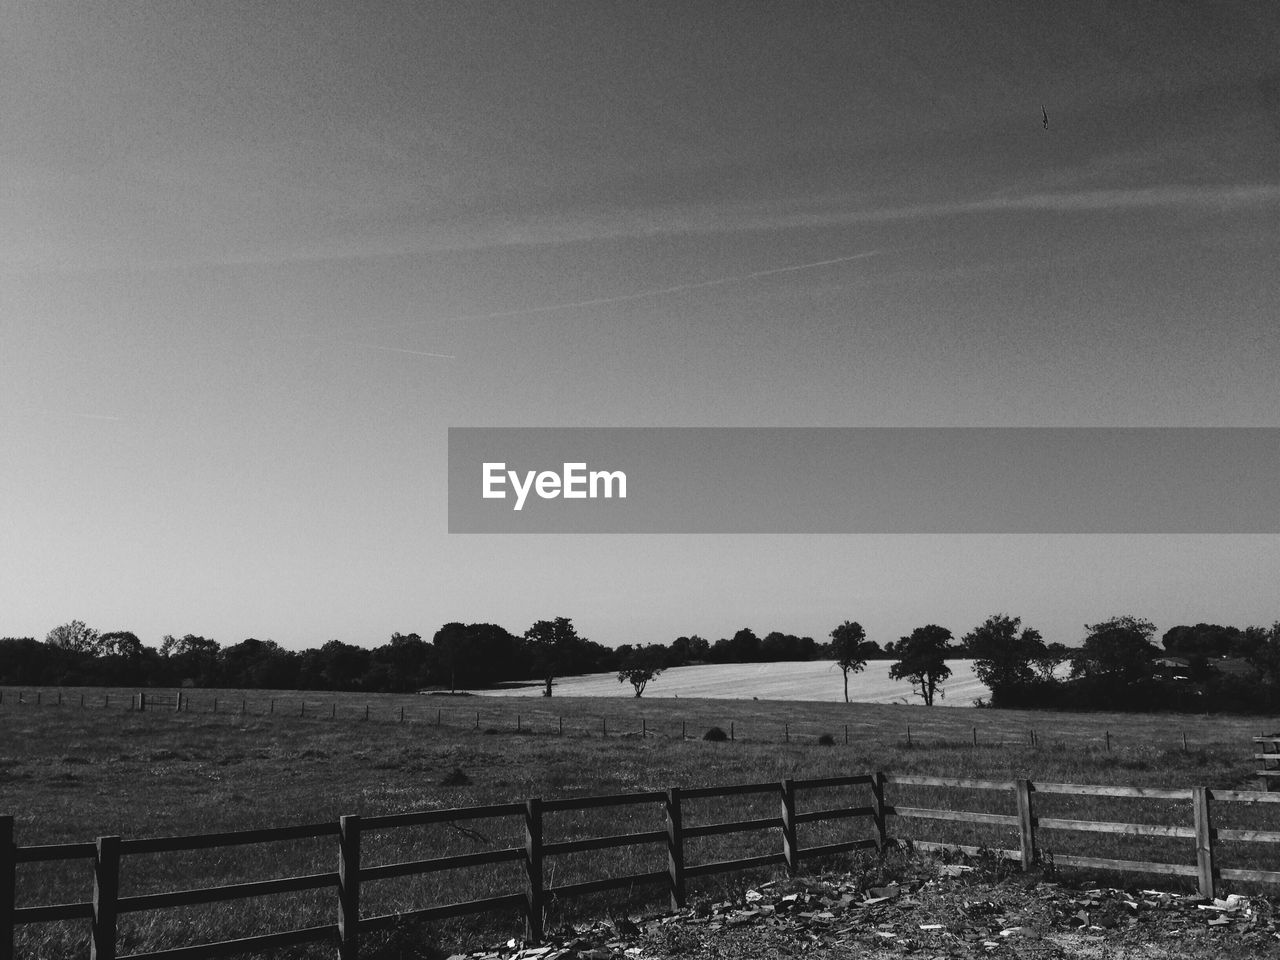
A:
784	680
69	774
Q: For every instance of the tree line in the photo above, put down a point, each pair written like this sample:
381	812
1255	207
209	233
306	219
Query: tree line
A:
1117	666
458	656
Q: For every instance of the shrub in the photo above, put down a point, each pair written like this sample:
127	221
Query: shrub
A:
716	734
826	740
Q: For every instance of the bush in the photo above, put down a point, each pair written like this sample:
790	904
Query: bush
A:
716	734
458	778
826	740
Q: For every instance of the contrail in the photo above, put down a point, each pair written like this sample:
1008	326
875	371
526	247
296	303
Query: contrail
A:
375	346
643	294
578	304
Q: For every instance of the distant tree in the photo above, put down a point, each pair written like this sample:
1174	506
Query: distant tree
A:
191	657
850	648
400	666
74	636
777	646
640	666
1119	650
552	644
1003	657
451	642
1204	640
343	666
1264	651
924	660
742	647
1049	658
120	643
688	649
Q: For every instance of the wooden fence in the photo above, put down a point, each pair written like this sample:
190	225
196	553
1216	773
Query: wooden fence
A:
1268	753
106	854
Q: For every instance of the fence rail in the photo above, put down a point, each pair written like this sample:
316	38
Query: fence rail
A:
532	900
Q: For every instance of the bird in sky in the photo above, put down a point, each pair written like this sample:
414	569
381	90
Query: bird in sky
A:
1045	113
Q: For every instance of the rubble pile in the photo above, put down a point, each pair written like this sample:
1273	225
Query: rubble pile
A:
951	914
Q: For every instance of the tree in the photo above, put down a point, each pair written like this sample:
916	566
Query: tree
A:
742	647
1119	650
1264	650
923	660
1049	658
1003	658
552	644
451	642
74	636
191	658
120	643
850	648
688	649
641	665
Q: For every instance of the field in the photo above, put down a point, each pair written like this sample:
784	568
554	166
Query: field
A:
70	774
819	680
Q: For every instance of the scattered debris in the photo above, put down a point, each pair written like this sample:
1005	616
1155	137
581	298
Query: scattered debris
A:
954	912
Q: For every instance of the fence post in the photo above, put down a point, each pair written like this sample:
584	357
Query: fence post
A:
675	848
533	870
1026	823
877	794
8	887
789	852
348	887
1204	840
106	891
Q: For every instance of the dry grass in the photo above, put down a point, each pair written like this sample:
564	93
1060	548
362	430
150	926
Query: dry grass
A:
68	774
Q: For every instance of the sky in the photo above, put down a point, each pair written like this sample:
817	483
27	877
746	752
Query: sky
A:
256	259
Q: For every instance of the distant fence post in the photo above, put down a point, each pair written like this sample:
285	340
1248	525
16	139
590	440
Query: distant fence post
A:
8	887
877	794
1204	840
348	887
675	848
1026	823
533	870
106	891
789	853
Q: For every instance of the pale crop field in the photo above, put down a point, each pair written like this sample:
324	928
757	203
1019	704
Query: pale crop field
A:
817	680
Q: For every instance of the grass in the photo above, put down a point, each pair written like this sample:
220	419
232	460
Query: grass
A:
71	774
